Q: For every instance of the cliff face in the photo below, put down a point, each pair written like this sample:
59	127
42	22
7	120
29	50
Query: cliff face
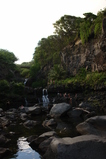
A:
91	56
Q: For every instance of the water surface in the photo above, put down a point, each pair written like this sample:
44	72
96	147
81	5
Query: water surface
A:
25	151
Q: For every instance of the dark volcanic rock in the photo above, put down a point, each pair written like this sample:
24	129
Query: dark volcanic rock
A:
81	147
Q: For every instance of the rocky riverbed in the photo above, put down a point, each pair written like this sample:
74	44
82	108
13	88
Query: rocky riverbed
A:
65	129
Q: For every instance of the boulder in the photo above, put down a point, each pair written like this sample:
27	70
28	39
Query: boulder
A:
43	146
4	152
30	123
23	116
86	106
59	109
3	140
35	143
81	147
65	128
34	110
4	122
78	112
94	125
49	123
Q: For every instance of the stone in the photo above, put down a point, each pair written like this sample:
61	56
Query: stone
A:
3	140
81	147
77	112
59	109
94	125
34	110
30	123
23	116
43	146
4	152
35	143
49	123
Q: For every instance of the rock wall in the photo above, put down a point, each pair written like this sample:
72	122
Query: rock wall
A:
91	56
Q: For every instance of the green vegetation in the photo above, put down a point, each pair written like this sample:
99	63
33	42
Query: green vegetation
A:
4	86
17	88
39	83
56	73
98	22
90	79
7	57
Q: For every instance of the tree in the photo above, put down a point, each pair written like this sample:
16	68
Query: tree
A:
7	57
7	64
87	27
98	22
67	27
56	73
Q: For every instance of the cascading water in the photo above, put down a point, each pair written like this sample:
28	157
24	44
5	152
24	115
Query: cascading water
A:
26	103
45	98
26	79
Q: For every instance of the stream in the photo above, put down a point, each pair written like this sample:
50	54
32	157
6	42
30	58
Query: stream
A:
19	145
25	151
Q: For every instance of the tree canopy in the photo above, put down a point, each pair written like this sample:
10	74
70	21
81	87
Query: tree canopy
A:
7	63
7	57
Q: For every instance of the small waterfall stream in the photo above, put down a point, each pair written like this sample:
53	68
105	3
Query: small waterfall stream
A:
45	98
25	81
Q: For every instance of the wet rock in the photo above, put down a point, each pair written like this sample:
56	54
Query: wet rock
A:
30	123
59	109
91	114
4	122
31	138
34	110
4	152
81	147
86	106
3	140
49	123
78	112
35	143
12	114
23	116
64	128
43	146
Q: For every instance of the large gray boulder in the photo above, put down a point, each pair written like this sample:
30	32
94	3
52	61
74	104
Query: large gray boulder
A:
94	125
81	147
59	109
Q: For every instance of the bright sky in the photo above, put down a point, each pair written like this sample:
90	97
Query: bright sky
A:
24	22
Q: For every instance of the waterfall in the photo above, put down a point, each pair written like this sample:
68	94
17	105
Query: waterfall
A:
45	98
26	103
26	79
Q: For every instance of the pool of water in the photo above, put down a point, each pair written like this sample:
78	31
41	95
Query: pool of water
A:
25	151
19	145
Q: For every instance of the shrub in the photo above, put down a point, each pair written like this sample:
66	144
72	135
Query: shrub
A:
4	86
18	88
